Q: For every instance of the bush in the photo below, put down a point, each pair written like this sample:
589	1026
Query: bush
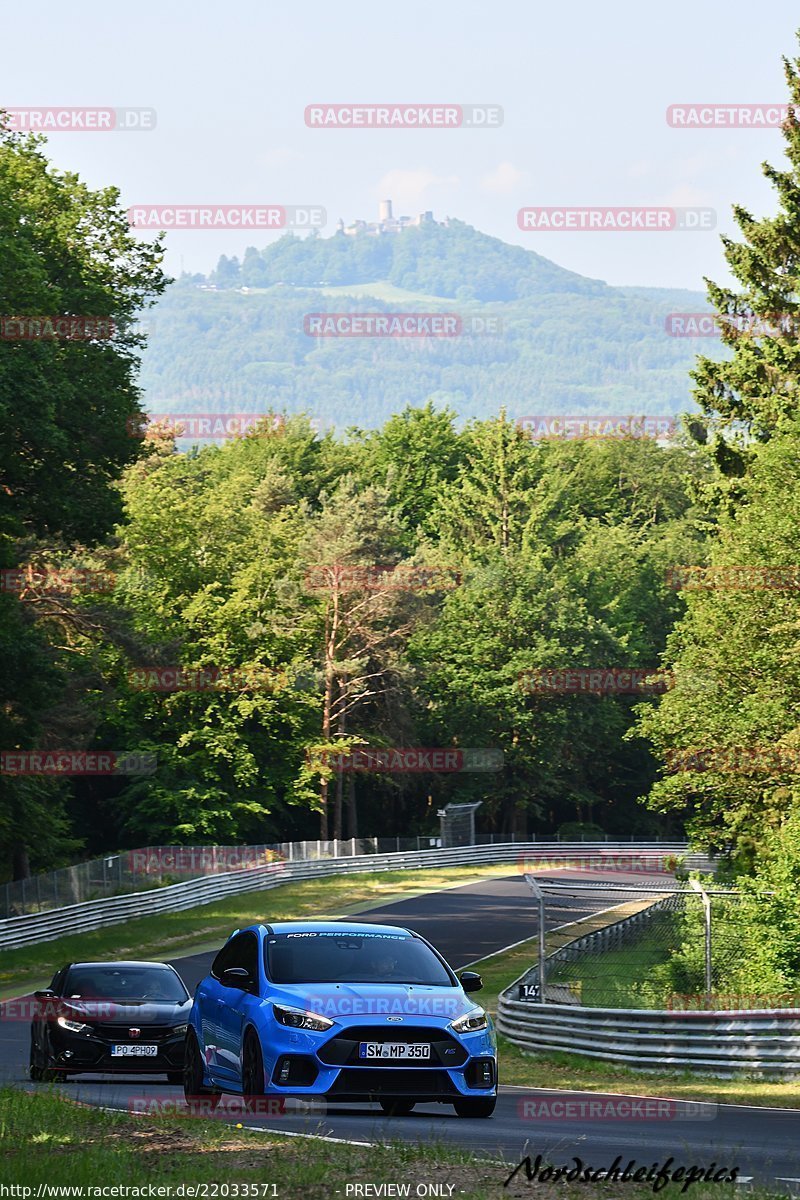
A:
581	831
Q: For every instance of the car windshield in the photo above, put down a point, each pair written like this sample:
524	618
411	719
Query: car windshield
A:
125	983
328	957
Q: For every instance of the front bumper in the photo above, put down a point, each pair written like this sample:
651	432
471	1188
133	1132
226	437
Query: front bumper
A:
75	1053
301	1063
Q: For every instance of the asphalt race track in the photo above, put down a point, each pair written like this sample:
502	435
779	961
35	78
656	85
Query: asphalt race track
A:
467	923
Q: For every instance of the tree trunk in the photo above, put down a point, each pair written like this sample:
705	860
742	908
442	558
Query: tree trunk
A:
326	732
331	634
352	810
341	726
20	862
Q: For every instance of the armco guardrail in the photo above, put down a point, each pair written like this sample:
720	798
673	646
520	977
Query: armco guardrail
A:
145	867
96	914
718	1043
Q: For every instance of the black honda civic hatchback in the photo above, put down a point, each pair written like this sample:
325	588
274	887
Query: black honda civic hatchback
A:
120	1017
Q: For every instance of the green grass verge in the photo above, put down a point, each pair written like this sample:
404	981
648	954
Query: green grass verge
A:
612	978
170	935
382	290
47	1140
581	1073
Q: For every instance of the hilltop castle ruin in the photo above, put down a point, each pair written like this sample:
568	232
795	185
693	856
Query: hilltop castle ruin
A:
386	223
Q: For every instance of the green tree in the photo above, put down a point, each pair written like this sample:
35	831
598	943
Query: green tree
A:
67	405
353	552
213	582
757	384
736	657
65	408
416	455
488	506
510	616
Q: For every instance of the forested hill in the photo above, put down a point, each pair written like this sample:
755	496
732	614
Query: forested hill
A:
537	339
452	261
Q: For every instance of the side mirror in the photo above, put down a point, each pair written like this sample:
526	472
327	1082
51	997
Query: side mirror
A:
471	981
236	977
44	994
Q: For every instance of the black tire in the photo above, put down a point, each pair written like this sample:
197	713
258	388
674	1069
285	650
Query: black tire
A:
475	1106
253	1090
34	1068
397	1108
38	1070
195	1092
175	1077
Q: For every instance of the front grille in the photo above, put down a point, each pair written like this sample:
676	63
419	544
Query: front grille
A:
342	1050
364	1082
121	1033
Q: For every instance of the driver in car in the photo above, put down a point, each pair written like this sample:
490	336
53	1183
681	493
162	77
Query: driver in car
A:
157	987
384	966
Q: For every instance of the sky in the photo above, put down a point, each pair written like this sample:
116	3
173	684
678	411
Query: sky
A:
584	89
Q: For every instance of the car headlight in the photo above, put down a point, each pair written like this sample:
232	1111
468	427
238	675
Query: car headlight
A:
298	1018
73	1026
470	1022
180	1030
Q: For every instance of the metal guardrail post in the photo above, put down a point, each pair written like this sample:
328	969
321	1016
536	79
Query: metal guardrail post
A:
698	887
539	894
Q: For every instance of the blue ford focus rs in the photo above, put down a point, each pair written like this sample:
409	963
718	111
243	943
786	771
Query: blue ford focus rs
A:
346	1012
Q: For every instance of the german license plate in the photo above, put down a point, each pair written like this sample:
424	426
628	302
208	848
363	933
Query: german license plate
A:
394	1050
143	1051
